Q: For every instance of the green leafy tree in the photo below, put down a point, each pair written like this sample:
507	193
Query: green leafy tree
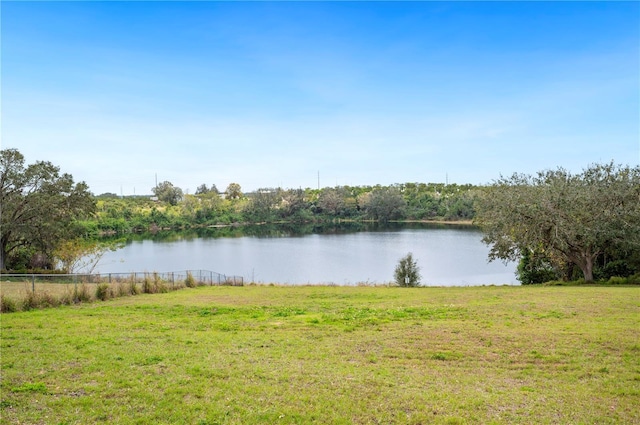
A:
293	205
262	205
385	204
570	219
167	192
407	272
202	189
331	201
535	268
38	206
234	191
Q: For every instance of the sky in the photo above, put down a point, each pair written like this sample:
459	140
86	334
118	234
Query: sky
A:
296	94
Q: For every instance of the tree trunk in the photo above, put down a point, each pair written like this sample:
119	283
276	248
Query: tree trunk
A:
587	270
585	260
568	271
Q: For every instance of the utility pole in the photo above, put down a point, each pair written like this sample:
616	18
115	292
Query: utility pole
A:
318	179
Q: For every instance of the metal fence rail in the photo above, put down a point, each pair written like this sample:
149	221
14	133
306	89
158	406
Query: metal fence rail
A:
201	277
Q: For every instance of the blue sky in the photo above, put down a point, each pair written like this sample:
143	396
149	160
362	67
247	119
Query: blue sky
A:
270	93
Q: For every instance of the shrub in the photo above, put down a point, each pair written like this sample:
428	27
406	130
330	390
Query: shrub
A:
30	301
102	291
45	299
147	286
535	268
190	282
617	280
557	283
67	298
123	289
158	284
616	268
407	272
133	286
81	294
7	305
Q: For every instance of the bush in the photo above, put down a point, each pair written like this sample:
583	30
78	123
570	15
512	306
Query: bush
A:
535	268
45	300
618	268
407	272
158	284
30	301
123	289
133	286
102	291
66	298
7	305
190	282
147	286
81	294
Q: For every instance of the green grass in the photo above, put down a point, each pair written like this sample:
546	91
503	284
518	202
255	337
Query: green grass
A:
339	355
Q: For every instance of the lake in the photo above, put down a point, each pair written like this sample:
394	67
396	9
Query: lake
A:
447	255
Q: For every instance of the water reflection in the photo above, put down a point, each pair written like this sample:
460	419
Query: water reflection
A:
287	230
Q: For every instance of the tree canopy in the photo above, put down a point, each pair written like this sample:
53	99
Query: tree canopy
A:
234	191
167	192
385	204
568	219
38	207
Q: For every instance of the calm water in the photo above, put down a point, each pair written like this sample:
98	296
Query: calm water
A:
446	256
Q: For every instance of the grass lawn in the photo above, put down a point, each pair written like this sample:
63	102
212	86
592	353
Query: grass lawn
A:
328	355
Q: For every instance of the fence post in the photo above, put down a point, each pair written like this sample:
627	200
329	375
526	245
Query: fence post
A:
33	283
109	278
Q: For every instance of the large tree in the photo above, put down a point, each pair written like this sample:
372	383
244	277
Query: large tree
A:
331	201
263	205
167	192
38	206
293	205
234	191
384	204
570	219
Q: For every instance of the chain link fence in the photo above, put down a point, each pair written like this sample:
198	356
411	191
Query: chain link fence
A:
36	290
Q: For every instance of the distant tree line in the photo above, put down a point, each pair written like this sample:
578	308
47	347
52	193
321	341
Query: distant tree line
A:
172	209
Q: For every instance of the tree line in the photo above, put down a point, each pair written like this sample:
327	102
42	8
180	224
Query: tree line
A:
170	208
556	224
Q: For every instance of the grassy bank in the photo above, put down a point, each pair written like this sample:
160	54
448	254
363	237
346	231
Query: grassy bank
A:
328	355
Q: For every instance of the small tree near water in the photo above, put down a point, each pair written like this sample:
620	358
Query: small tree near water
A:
407	272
